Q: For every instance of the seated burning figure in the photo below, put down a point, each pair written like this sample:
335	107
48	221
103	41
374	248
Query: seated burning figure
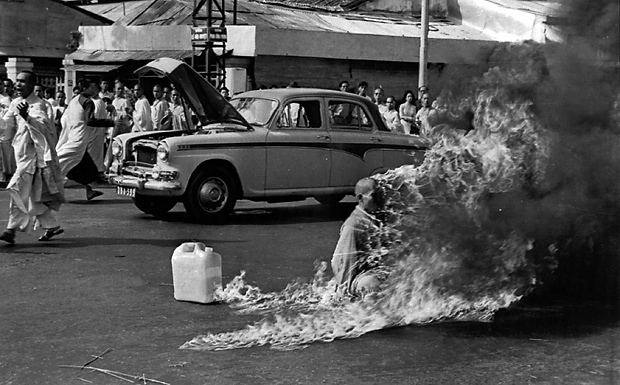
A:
355	269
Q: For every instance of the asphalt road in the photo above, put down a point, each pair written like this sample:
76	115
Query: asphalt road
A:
106	283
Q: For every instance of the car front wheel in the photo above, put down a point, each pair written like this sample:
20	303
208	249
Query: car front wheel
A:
154	205
211	195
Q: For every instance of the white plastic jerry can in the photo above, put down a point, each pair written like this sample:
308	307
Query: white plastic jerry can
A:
196	272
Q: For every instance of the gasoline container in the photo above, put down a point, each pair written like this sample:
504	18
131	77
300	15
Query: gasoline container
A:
196	272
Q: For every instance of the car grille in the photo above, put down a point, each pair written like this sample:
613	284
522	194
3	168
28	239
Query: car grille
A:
142	156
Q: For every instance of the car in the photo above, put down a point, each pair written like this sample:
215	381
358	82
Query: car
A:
272	145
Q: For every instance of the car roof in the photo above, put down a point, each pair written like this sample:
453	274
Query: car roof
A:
284	93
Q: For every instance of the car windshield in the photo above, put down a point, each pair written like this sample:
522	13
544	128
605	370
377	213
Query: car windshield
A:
256	111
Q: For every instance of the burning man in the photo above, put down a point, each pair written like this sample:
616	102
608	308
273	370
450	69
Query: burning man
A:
354	273
36	187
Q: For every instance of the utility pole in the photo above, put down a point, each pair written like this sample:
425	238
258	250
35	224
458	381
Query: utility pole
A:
423	77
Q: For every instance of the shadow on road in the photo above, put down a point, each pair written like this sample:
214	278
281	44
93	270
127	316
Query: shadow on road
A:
270	215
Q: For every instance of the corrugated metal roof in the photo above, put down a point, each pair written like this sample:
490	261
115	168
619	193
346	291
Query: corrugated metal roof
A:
261	14
123	56
92	67
115	11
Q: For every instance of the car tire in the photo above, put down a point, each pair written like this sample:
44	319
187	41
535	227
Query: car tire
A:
154	205
329	199
211	195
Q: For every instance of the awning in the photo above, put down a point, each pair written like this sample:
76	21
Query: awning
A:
91	67
122	56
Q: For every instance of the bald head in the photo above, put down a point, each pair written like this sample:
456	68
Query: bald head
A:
365	186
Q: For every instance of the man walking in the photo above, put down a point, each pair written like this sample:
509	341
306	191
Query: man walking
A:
75	162
36	187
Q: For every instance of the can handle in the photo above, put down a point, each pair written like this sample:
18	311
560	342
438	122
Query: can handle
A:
189	247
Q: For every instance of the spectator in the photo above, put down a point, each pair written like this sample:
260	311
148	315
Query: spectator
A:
167	94
225	92
423	114
39	92
356	274
421	91
159	109
391	116
35	189
361	90
407	112
49	96
105	90
59	110
142	120
75	92
7	156
8	87
177	112
120	103
344	86
379	101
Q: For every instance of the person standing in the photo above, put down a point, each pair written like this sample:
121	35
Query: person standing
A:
354	272
407	112
50	97
7	157
105	89
361	90
75	162
343	86
60	108
391	116
159	109
35	189
179	121
422	115
39	91
142	120
379	101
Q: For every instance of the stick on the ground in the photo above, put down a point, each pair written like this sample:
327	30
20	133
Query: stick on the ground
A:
131	378
108	350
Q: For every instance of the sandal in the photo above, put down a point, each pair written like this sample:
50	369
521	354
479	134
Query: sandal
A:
8	237
49	233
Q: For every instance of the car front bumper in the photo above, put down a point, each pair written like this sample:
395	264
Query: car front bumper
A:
143	184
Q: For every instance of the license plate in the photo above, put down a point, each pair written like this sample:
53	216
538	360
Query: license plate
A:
126	191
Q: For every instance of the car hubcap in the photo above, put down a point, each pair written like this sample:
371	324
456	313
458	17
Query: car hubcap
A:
213	195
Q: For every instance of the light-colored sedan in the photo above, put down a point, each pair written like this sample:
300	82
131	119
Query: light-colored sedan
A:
268	145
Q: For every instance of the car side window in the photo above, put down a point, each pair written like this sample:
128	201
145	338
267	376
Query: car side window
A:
301	114
345	115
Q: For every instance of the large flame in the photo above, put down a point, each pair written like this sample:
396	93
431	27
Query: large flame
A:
451	250
521	184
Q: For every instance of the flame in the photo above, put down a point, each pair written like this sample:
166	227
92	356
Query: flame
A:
460	234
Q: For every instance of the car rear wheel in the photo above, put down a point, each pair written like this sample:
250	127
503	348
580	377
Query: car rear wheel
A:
211	195
154	205
329	199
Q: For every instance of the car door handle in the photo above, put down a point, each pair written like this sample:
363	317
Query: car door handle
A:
323	136
375	139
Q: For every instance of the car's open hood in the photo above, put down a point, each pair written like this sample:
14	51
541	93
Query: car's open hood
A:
201	96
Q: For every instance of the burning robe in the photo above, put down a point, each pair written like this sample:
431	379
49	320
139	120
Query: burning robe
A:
36	187
352	272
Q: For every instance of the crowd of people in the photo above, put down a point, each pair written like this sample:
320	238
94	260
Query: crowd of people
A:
409	118
46	140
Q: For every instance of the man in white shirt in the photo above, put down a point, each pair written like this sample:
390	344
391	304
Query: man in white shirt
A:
142	120
39	91
179	121
160	107
35	189
105	89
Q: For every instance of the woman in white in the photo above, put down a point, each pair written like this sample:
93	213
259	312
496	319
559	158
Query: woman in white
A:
407	112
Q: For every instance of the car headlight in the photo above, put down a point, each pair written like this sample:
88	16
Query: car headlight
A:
117	149
163	151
